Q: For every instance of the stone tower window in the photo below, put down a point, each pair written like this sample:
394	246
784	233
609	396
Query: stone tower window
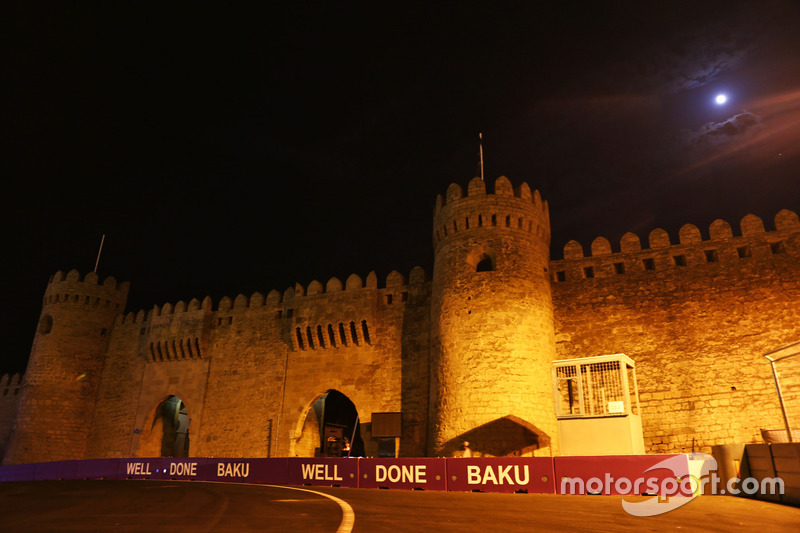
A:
485	265
482	260
45	324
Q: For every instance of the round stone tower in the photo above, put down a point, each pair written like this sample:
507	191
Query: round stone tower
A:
57	400
492	330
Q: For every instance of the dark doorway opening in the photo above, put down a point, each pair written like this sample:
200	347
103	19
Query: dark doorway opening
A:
338	420
175	424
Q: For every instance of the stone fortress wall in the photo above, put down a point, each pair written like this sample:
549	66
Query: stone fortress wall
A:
696	316
465	355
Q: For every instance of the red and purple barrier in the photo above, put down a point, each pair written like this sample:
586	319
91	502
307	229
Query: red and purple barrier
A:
615	474
622	475
409	474
501	474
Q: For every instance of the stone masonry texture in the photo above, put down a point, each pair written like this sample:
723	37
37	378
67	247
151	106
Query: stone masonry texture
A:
464	355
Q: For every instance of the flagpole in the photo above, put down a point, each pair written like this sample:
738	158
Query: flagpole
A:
480	137
102	239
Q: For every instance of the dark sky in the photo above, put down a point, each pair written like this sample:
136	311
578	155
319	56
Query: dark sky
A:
226	150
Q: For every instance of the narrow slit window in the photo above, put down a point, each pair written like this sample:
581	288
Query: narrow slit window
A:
561	276
354	333
310	337
520	223
466	223
619	268
494	220
777	247
189	348
711	256
300	343
389	299
480	221
197	348
679	260
744	251
331	336
365	329
588	272
508	221
321	337
649	263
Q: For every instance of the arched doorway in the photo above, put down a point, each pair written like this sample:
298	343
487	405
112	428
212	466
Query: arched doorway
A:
331	423
175	423
168	435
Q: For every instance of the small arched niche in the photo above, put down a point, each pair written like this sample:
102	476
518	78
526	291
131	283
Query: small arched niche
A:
482	260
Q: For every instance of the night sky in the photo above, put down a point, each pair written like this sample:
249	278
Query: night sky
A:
225	151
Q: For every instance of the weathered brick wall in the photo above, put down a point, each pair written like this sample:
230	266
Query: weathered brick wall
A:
370	369
492	322
60	386
695	317
10	386
151	356
248	371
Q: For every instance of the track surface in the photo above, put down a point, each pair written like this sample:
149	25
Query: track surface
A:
168	506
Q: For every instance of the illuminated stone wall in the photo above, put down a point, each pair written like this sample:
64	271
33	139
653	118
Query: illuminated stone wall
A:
60	386
695	315
464	356
249	371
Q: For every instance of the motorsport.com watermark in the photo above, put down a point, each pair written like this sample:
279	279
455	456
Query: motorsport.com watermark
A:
674	491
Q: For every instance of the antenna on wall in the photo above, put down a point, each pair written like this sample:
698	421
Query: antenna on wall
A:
480	143
102	239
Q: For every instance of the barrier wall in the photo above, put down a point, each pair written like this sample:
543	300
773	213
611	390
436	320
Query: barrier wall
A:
541	475
624	475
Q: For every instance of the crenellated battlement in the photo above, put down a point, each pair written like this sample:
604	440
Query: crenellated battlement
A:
70	288
507	208
276	300
722	247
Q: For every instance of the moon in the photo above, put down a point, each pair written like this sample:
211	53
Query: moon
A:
721	99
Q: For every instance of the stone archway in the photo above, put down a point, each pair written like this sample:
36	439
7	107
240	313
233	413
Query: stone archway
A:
168	434
328	423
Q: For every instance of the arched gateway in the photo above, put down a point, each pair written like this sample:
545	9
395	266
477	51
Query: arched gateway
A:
329	425
168	433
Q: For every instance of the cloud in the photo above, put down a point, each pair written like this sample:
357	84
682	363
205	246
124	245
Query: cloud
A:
717	133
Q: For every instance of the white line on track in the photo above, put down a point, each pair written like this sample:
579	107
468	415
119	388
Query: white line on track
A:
348	517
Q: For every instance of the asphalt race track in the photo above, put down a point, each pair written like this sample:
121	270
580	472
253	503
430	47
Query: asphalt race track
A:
170	506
